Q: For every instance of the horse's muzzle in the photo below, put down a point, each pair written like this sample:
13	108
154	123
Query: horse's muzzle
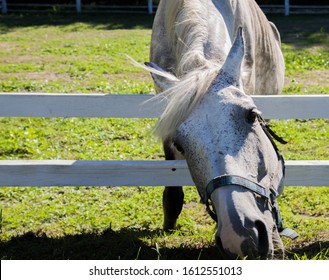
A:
254	246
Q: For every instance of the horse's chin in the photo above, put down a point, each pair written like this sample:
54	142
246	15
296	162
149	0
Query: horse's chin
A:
248	251
272	250
225	253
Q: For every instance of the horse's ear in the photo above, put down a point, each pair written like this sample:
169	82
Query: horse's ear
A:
231	70
275	32
163	80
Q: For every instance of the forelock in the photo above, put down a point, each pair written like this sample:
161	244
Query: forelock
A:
181	99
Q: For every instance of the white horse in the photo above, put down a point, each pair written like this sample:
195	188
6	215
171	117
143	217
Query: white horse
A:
207	57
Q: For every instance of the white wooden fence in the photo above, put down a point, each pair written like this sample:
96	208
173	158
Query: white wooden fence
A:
138	173
288	8
79	7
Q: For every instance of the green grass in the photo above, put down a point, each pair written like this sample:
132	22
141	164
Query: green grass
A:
87	54
305	60
307	140
72	138
52	60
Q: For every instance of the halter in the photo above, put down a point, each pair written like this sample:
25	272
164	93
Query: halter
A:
269	194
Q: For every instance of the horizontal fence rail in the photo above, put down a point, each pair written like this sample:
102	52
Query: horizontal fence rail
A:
133	173
143	106
138	173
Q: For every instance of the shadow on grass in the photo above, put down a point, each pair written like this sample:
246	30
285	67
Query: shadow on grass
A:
316	250
106	21
125	244
303	31
295	29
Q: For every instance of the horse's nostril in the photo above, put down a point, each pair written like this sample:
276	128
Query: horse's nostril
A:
263	242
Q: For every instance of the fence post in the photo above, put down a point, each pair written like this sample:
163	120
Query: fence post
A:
286	7
150	6
4	6
78	6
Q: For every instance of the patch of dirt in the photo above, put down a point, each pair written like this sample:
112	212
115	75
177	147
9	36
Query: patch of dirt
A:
309	78
36	76
191	204
7	45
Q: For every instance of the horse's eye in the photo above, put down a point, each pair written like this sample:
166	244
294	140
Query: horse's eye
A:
252	115
178	147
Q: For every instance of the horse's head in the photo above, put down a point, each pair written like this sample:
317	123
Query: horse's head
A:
231	157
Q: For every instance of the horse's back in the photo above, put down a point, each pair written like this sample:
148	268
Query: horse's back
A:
191	34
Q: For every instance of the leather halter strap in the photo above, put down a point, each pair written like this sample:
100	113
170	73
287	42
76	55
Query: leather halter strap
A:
227	180
268	193
230	180
271	196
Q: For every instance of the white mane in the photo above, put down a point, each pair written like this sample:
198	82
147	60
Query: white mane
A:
182	98
189	23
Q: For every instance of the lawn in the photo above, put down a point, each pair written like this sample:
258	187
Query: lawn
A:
87	54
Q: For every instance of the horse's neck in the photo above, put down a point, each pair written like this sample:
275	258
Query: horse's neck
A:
200	39
188	35
194	34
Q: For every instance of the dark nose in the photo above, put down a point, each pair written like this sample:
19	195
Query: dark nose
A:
257	245
254	246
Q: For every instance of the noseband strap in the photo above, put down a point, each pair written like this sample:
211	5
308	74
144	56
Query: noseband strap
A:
228	180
